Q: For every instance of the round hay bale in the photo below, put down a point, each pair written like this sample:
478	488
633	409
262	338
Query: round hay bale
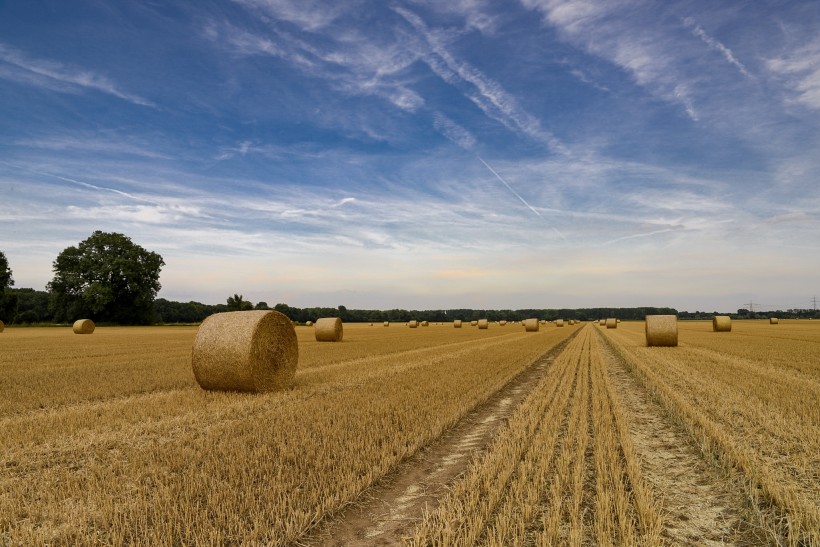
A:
473	323
83	326
425	323
371	324
721	323
559	322
483	324
252	351
2	326
309	324
611	323
457	324
773	320
502	322
531	325
329	329
661	330
387	323
601	322
413	324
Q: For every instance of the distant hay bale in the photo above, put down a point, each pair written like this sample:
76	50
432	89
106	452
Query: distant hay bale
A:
773	320
83	326
457	324
661	330
371	324
531	325
721	323
502	322
329	329
425	323
611	323
483	324
617	320
559	322
252	351
309	324
413	324
387	323
473	323
601	322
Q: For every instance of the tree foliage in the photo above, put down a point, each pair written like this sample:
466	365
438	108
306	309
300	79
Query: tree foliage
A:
237	302
7	298
107	278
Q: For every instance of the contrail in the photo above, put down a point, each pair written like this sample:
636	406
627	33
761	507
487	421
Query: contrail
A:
516	194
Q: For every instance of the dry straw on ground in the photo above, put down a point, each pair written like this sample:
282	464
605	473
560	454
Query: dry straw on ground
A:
245	351
83	326
661	330
773	320
559	322
329	329
483	324
612	323
457	324
721	323
531	325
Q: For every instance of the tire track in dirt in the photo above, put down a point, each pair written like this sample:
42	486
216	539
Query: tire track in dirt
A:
701	506
387	511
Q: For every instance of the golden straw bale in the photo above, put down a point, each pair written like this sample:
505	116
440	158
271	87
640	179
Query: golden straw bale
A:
245	351
387	323
531	325
602	322
483	324
425	323
309	324
559	322
473	323
661	330
457	324
721	323
413	324
611	323
773	320
329	329
502	322
83	326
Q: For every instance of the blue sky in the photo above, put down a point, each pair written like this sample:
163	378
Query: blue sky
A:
422	154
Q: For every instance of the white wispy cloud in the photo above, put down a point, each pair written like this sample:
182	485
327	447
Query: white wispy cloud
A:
32	71
716	45
453	131
310	15
800	71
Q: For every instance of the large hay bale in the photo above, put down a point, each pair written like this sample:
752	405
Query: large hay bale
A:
329	329
457	324
2	326
473	323
559	322
661	330
721	323
413	324
245	351
773	320
531	325
611	323
387	323
483	324
83	326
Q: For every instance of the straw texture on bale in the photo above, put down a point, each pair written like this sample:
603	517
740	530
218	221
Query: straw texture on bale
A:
531	325
483	324
473	323
559	322
329	329
252	351
413	324
2	326
83	326
773	320
661	330
425	323
457	324
612	323
721	323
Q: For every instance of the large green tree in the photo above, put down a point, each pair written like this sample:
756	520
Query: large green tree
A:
7	299
107	278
